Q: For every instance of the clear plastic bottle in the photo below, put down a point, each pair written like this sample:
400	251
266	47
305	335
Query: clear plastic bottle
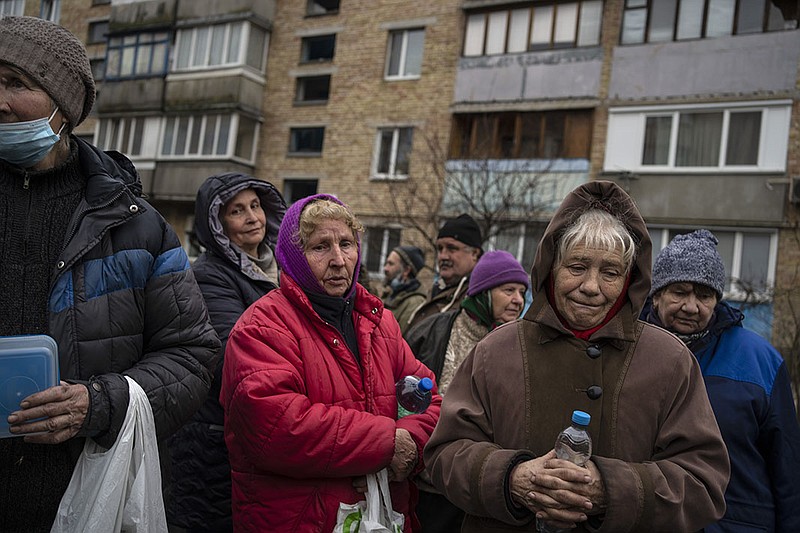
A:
572	444
413	395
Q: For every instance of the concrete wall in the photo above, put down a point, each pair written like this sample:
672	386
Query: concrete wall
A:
744	65
560	74
216	92
141	95
206	9
179	180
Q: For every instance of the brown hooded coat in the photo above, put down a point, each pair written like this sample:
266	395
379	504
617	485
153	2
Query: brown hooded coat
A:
656	442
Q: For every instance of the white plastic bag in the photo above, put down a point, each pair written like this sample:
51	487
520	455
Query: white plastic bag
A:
375	514
118	489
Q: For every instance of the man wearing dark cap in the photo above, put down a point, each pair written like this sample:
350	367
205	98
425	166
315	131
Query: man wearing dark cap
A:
400	275
88	262
458	248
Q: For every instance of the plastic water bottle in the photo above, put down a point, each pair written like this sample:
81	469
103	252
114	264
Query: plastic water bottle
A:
413	395
572	444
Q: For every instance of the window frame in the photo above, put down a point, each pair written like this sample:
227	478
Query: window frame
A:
294	133
307	43
301	83
288	188
311	12
14	8
402	63
171	127
394	149
50	10
92	29
477	44
162	42
390	237
639	8
244	34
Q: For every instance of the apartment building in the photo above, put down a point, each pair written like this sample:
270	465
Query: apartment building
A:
692	105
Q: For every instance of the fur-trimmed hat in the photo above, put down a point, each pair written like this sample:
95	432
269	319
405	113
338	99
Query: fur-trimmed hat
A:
411	256
496	268
690	258
463	229
52	57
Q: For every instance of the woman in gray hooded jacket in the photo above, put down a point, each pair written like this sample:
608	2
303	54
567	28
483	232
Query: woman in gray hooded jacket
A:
236	221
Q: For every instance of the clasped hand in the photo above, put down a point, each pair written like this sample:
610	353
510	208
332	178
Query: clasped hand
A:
557	490
403	461
62	410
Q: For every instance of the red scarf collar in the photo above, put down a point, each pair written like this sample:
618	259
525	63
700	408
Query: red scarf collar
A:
584	334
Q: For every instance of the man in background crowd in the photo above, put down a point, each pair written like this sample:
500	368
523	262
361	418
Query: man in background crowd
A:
400	276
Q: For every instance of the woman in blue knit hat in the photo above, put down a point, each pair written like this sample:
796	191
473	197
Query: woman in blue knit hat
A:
496	295
746	379
308	385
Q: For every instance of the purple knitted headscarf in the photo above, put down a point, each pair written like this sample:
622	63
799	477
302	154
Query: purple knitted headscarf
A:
289	251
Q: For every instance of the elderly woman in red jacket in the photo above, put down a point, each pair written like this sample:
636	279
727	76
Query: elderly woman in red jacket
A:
308	385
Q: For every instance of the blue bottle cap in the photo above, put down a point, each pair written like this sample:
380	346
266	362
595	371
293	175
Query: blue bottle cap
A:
425	384
581	418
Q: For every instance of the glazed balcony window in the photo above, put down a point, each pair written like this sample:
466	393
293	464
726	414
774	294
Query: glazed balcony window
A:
226	45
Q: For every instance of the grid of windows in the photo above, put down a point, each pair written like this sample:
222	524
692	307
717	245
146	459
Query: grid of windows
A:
404	56
522	135
214	135
667	20
221	45
539	27
392	152
137	55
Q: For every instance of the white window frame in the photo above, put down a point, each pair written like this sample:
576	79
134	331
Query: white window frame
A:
199	60
403	61
158	39
393	152
50	10
366	253
660	239
110	133
202	122
626	135
12	8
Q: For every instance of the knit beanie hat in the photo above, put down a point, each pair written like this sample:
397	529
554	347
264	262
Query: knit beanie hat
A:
411	256
289	252
463	229
690	258
54	58
495	268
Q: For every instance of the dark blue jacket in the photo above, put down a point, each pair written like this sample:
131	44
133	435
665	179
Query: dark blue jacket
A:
749	388
201	482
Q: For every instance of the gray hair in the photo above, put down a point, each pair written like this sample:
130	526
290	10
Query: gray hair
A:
599	230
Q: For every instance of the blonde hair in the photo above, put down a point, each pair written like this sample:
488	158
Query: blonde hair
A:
599	230
314	213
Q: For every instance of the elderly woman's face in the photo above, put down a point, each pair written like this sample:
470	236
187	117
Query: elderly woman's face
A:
331	252
244	221
587	283
22	100
685	308
508	300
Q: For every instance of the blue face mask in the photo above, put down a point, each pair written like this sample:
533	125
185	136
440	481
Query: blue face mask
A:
26	143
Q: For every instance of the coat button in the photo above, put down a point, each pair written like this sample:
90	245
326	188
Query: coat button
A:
60	265
374	310
336	342
133	208
96	386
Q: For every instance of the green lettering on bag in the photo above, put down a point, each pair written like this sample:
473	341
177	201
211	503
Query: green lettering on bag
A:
351	522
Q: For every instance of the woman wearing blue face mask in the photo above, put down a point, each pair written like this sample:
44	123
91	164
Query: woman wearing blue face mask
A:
85	260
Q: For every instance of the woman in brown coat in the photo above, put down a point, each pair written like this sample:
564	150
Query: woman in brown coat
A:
659	463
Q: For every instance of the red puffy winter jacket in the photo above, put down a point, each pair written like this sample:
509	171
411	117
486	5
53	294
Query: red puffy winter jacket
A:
303	417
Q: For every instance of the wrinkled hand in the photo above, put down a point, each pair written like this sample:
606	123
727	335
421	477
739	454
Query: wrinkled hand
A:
549	487
405	455
63	409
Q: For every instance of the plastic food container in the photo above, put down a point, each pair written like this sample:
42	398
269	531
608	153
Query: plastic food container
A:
28	364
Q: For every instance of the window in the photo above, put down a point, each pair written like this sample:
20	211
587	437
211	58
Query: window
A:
667	20
521	241
750	136
404	57
392	151
137	55
221	45
537	135
295	189
121	134
50	10
313	89
100	2
98	65
97	32
217	136
12	7
539	27
306	141
319	48
322	7
376	245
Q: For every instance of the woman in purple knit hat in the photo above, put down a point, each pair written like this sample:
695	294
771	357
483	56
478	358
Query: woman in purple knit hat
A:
308	385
